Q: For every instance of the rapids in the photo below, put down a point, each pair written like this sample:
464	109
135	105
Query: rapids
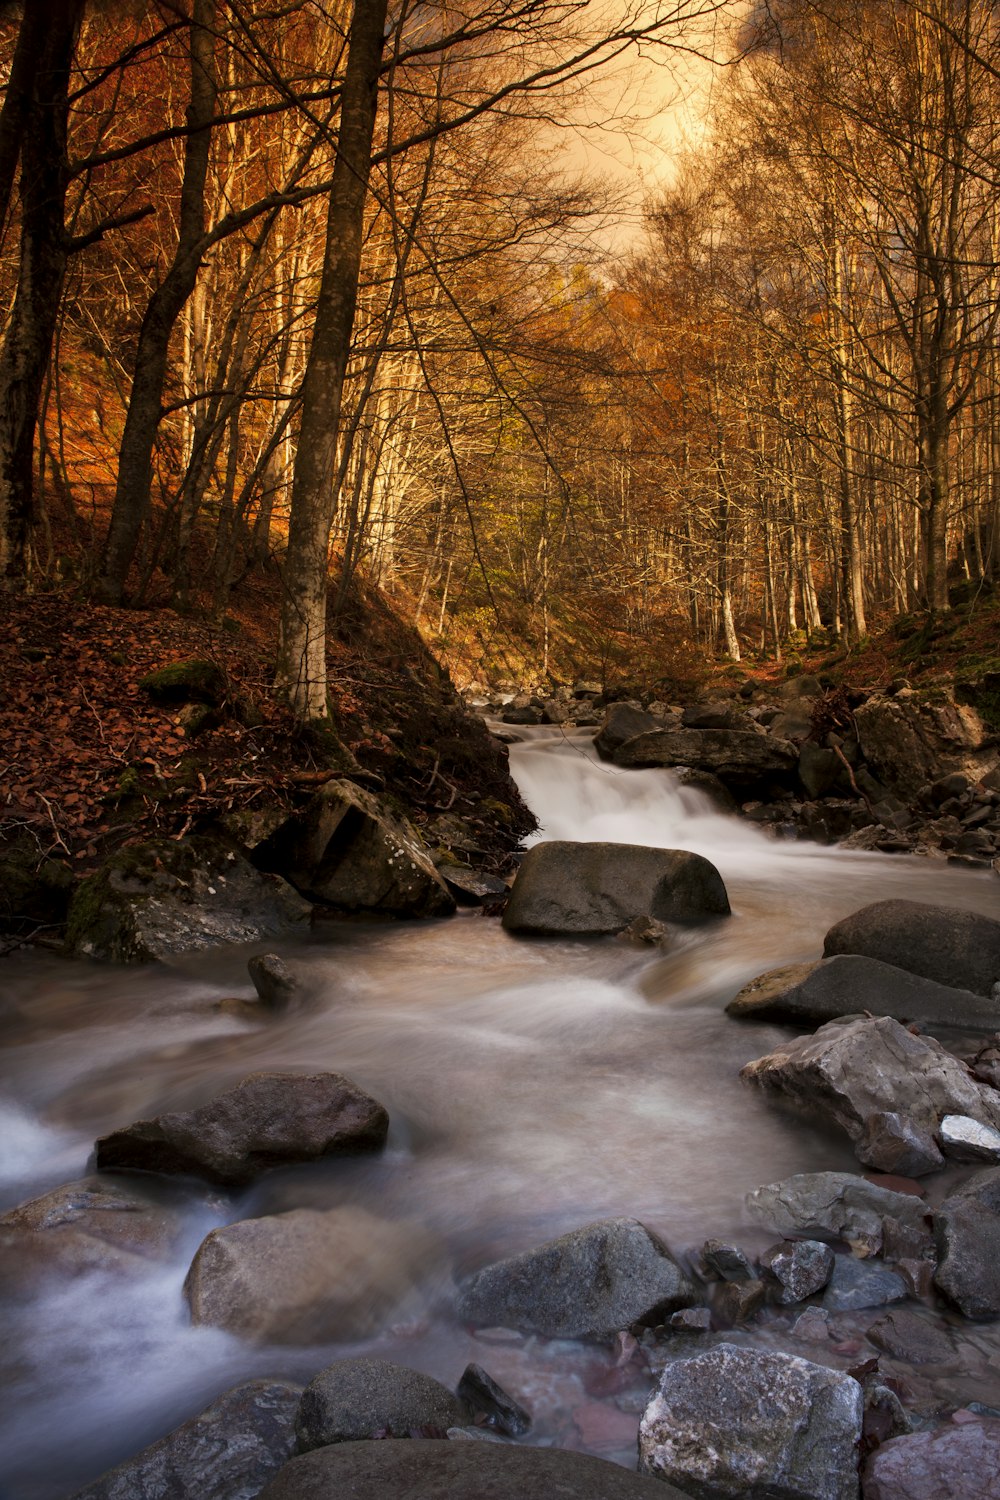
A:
532	1086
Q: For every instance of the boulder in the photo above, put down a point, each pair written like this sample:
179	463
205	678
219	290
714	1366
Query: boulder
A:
838	1204
268	1120
357	1399
743	758
740	1422
821	771
168	896
957	1462
808	994
857	1284
587	1284
227	1452
912	738
277	984
194	680
590	889
956	948
348	851
308	1277
90	1225
967	1232
888	1089
718	715
621	722
457	1471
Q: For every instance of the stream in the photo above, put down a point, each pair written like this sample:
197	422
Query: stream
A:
532	1085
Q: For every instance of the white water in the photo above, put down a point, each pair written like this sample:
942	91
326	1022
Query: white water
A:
532	1085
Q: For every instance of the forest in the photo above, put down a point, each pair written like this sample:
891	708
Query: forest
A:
318	290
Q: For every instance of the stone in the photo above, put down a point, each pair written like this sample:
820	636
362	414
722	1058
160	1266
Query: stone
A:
857	1284
738	1301
908	1336
967	1234
741	758
471	887
739	1422
90	1225
839	1204
484	1397
276	982
800	1267
862	1073
348	851
194	680
911	738
962	1139
164	897
268	1120
812	1326
691	1320
596	888
621	722
719	715
811	993
821	771
959	1461
227	1452
589	1283
308	1277
458	1471
727	1262
356	1399
35	889
953	947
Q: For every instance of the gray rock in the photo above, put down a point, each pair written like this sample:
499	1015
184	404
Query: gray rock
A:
906	1335
727	1262
622	722
267	1120
740	1422
228	1452
740	757
474	1435
90	1225
839	1204
457	1471
821	771
308	1277
348	851
593	888
911	738
956	948
471	887
356	1399
859	1073
718	715
954	1462
962	1139
809	994
800	1267
484	1397
967	1232
857	1284
276	982
691	1320
586	1284
739	1301
153	900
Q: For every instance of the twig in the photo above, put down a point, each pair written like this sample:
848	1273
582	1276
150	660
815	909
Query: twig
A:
55	829
854	785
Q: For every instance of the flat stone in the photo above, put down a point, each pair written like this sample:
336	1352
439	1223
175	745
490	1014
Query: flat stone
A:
738	756
906	1335
857	1284
840	1204
227	1452
355	1399
963	1139
956	1462
737	1422
958	948
800	1267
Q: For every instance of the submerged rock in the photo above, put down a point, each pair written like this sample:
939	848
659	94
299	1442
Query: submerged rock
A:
967	1231
857	1284
308	1277
484	1397
356	1399
958	1460
839	1204
738	1422
227	1452
90	1225
268	1120
595	888
587	1284
956	948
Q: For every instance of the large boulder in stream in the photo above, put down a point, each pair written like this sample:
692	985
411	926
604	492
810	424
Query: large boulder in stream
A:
268	1120
952	947
911	737
739	1422
888	1089
348	851
743	758
809	994
590	889
587	1284
355	1399
309	1277
168	896
404	1470
90	1225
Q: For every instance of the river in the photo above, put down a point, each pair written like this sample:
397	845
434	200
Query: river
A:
533	1086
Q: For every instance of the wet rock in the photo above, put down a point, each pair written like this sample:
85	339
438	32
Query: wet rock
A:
959	1461
587	1284
962	1139
857	1284
90	1225
800	1267
739	757
622	722
839	1204
906	1335
888	1089
484	1397
967	1232
164	897
812	1326
727	1262
721	799
307	1277
357	1399
267	1120
474	1435
471	887
738	1301
348	851
460	1471
691	1320
593	888
228	1452
809	994
276	982
737	1422
956	948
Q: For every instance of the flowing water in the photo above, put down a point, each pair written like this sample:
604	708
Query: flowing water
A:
533	1086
